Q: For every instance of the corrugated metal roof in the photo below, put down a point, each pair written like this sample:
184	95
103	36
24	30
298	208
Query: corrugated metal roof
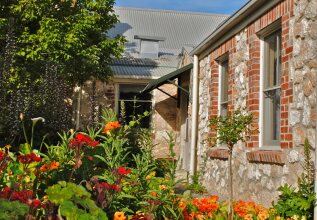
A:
146	72
144	68
170	61
178	28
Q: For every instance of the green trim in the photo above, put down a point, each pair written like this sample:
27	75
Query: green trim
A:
153	84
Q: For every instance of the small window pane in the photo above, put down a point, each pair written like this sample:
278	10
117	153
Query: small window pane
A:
224	81
272	60
134	105
224	88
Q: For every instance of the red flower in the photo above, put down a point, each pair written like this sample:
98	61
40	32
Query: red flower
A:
106	186
7	189
93	144
81	140
2	155
24	196
28	158
36	203
123	171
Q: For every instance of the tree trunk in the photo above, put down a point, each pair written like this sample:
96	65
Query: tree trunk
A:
230	185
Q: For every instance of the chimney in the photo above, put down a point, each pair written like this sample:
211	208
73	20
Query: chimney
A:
149	46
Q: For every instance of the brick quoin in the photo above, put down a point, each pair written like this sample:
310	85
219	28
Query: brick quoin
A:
282	11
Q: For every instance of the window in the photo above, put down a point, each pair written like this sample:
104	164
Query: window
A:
134	105
271	90
223	91
223	85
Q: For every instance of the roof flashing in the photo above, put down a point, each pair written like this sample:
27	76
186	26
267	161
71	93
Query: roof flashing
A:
149	38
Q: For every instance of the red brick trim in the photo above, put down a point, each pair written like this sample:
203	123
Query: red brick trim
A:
218	154
266	156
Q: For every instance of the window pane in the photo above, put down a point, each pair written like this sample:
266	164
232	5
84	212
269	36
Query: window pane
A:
224	81
272	114
133	109
128	92
276	114
134	105
272	60
224	109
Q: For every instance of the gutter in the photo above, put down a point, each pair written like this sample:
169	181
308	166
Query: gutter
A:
194	124
315	165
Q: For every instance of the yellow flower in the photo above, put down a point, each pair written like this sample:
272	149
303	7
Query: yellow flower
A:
119	216
278	218
200	217
162	187
152	174
304	217
8	146
27	179
248	217
295	217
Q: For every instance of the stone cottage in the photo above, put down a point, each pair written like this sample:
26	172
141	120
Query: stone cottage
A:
155	41
262	59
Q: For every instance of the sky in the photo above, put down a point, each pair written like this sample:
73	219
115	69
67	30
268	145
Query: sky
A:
209	6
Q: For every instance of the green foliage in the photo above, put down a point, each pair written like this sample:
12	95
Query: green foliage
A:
12	210
46	47
232	128
70	33
299	201
195	185
229	130
74	202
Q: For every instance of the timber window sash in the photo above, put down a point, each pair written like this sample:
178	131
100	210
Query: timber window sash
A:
134	105
223	85
271	89
223	88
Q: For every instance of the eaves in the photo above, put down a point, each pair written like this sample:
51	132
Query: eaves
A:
233	25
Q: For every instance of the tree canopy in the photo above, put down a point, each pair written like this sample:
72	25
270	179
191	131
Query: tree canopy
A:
47	46
70	33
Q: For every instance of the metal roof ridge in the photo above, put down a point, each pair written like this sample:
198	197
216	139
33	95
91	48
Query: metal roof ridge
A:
172	11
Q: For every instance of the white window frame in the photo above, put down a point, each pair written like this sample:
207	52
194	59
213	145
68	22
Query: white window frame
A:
274	27
118	82
221	60
220	85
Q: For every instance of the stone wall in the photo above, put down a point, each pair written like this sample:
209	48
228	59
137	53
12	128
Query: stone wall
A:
304	65
258	173
164	119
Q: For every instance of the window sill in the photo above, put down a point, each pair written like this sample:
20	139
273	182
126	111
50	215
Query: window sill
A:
266	156
218	153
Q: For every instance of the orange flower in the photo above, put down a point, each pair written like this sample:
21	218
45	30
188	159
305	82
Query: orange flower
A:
119	216
248	217
153	194
263	214
50	166
111	125
162	187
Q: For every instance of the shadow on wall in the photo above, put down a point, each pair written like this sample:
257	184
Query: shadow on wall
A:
167	110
